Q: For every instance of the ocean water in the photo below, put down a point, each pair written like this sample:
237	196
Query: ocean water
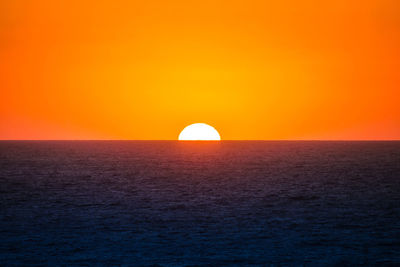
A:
229	203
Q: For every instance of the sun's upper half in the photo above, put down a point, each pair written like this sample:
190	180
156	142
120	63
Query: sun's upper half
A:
199	131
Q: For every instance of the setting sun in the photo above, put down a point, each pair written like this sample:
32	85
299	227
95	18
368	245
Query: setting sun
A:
199	131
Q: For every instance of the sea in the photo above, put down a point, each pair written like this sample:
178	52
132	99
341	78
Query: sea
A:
228	203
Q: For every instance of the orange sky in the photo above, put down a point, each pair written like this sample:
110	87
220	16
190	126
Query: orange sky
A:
252	69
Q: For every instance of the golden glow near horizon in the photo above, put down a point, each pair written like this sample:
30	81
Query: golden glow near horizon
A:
199	131
254	69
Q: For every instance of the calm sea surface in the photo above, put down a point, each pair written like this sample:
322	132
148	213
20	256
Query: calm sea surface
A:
230	203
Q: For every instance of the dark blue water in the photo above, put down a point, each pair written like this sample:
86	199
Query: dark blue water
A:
172	203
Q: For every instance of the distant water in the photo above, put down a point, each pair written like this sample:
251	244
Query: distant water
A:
230	203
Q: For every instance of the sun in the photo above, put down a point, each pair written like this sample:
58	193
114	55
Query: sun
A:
199	131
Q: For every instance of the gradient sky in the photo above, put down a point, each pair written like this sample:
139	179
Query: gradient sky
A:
252	69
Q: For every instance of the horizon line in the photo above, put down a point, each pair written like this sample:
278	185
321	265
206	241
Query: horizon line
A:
266	140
